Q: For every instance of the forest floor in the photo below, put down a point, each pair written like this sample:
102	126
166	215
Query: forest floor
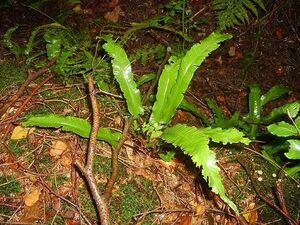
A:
39	183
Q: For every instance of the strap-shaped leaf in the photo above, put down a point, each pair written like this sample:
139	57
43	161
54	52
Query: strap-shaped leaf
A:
123	74
73	124
274	93
166	83
194	142
173	84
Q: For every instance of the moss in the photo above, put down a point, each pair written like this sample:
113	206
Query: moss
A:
15	147
102	165
12	73
58	220
6	210
11	185
130	199
86	203
59	180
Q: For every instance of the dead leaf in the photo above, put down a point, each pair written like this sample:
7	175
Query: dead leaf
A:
57	148
200	210
114	15
20	132
231	51
279	33
252	215
186	220
219	60
66	160
77	8
31	214
32	197
113	3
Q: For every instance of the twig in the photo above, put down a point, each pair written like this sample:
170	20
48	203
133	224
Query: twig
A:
20	110
280	197
66	200
87	170
114	159
31	76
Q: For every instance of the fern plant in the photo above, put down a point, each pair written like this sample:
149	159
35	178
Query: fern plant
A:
233	12
172	85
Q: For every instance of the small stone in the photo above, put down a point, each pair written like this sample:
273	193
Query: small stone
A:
274	175
259	179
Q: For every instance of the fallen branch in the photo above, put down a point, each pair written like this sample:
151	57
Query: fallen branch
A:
115	159
87	170
280	197
72	204
31	77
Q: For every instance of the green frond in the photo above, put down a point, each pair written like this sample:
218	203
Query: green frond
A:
72	124
232	12
176	77
194	142
124	75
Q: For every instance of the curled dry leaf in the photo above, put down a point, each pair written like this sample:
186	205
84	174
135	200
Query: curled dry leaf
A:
20	132
32	197
57	148
114	15
66	160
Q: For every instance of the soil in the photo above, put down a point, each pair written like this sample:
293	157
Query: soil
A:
176	193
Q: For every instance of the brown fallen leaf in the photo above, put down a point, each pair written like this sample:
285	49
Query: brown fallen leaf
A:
20	132
200	210
252	215
57	148
66	160
114	15
231	51
31	214
185	220
32	197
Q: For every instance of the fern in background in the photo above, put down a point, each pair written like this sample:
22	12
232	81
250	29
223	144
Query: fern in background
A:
232	12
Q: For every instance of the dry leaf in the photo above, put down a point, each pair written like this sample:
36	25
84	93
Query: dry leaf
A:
231	51
219	60
20	133
186	220
251	216
77	8
200	210
57	148
32	197
31	214
66	160
114	15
